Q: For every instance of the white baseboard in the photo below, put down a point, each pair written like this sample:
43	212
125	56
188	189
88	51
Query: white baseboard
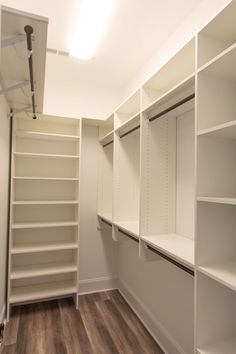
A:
3	314
154	327
97	284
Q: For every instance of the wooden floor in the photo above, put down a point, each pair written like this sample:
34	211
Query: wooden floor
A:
104	324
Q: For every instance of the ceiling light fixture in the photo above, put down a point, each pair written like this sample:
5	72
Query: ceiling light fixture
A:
93	16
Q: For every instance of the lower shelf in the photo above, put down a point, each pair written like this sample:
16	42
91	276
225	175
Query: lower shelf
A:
131	227
224	273
42	291
176	246
44	224
42	247
223	347
38	270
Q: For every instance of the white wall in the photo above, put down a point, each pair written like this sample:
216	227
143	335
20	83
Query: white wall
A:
4	178
98	253
69	98
206	10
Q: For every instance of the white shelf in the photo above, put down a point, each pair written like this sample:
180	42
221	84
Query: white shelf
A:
27	134
42	247
107	138
44	156
225	130
42	291
30	271
131	227
105	216
174	91
44	202
222	65
223	347
131	123
225	273
45	178
176	246
44	224
217	200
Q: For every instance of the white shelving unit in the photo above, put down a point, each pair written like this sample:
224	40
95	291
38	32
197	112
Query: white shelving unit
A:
43	253
216	193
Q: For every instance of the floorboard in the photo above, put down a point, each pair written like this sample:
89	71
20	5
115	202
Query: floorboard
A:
103	324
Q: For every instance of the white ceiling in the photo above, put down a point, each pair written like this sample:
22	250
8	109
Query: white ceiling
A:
135	30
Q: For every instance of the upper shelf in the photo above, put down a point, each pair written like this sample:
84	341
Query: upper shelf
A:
26	134
14	58
218	35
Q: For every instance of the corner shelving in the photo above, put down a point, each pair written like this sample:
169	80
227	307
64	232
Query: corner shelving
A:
43	254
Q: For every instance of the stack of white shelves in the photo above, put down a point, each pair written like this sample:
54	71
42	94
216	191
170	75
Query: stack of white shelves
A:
43	252
216	189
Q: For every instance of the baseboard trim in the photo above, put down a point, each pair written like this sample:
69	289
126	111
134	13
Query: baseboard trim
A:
88	286
167	343
3	314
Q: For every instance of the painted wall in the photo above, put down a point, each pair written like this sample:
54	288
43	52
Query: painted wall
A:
4	176
75	99
98	253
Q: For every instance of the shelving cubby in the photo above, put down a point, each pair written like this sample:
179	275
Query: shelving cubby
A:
216	320
105	187
178	71
168	178
127	111
218	35
216	93
43	252
217	242
127	180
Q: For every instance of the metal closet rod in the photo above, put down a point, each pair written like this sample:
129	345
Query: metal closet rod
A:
129	131
128	235
29	31
106	222
174	106
110	142
171	260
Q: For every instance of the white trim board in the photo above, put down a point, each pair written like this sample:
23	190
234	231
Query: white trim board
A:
167	343
3	314
88	286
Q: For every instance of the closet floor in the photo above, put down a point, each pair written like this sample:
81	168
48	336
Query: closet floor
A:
104	324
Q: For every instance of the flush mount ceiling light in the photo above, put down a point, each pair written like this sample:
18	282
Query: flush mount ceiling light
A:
93	16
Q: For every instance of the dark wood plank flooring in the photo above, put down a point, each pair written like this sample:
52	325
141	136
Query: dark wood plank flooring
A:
103	324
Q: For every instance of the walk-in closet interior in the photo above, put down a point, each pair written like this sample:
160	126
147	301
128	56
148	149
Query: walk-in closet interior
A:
117	203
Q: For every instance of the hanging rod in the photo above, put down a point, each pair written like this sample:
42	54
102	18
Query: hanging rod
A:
171	260
171	108
110	142
105	221
29	30
129	131
128	235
